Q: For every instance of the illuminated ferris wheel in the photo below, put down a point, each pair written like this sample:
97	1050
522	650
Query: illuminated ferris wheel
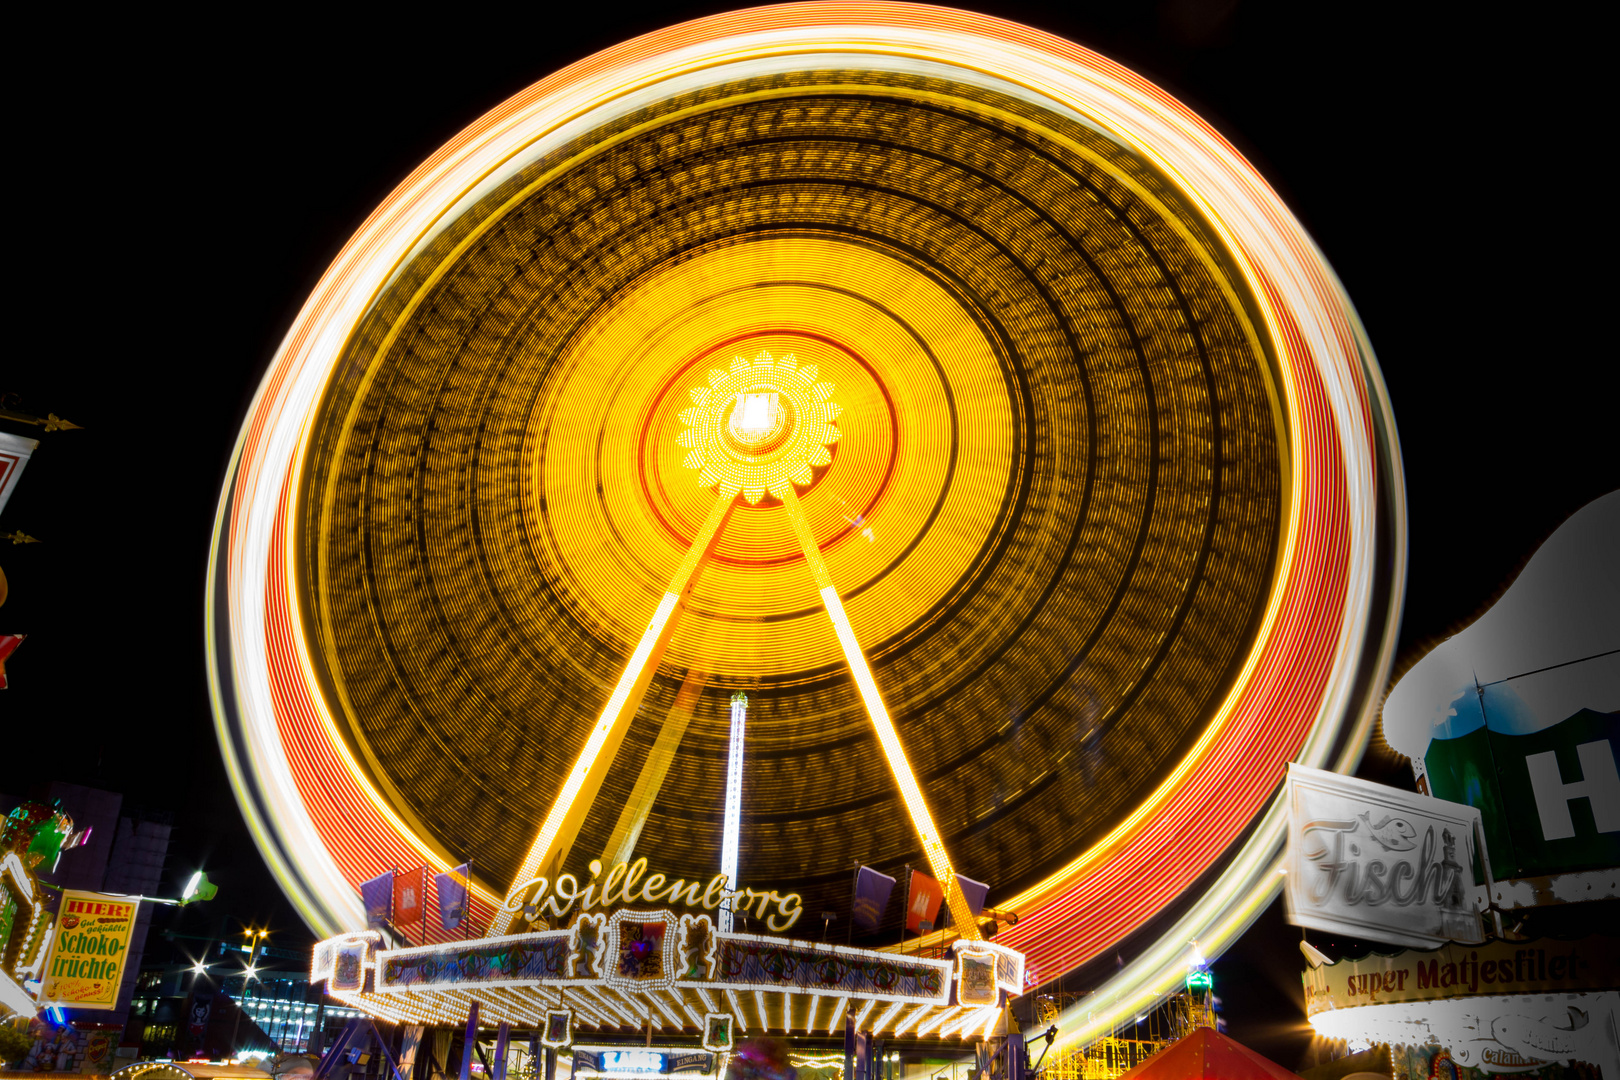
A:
946	393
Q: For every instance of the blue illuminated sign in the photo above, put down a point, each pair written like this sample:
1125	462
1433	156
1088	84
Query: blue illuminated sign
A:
641	1061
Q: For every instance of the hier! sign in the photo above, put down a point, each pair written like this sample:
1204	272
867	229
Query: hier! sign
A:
1378	863
88	947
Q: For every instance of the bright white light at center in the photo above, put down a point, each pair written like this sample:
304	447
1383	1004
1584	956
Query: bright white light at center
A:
753	414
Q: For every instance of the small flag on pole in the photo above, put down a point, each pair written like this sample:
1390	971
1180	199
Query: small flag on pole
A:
410	897
973	892
923	897
378	896
452	888
872	892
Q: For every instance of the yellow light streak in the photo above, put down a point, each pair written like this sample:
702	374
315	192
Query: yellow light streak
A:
839	1008
888	737
938	1020
911	1018
621	845
881	1024
574	800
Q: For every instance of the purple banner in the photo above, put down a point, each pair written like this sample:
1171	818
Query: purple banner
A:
378	897
779	962
452	896
872	891
974	892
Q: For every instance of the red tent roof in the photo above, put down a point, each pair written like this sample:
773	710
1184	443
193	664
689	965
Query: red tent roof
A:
1208	1053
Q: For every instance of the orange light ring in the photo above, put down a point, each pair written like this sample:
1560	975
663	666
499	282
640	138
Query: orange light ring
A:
322	828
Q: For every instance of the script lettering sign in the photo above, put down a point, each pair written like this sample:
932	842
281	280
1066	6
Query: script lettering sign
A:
1382	864
539	899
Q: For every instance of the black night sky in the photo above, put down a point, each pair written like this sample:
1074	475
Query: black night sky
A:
179	186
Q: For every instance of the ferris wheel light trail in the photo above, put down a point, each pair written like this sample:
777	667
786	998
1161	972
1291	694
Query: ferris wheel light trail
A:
326	818
921	820
585	779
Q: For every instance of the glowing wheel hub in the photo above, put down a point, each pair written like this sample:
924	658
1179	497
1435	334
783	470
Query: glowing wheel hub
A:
760	427
759	422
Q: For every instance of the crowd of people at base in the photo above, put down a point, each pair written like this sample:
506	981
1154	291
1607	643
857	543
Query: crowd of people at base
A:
293	1067
758	1059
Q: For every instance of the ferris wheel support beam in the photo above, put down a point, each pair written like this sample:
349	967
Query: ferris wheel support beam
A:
621	845
574	800
933	846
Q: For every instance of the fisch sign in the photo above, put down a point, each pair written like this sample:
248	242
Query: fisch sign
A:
1379	863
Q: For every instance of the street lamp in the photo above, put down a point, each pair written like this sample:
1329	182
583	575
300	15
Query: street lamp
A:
198	888
256	937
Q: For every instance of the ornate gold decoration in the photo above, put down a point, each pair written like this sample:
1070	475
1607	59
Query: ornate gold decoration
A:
50	421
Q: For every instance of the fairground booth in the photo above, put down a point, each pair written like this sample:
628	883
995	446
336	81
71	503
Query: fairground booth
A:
1481	910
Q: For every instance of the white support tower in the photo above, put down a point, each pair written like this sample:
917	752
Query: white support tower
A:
734	770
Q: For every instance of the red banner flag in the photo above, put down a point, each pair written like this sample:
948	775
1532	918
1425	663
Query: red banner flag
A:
8	645
923	897
410	897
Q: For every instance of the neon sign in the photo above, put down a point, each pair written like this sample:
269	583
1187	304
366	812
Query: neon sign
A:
624	884
644	1061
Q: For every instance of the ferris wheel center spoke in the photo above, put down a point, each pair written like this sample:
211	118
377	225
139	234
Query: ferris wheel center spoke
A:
933	846
578	792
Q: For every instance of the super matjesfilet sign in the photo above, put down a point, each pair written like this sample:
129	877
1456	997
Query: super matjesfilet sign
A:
88	949
1545	966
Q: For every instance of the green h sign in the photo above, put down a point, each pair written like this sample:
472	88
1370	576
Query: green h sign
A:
1549	801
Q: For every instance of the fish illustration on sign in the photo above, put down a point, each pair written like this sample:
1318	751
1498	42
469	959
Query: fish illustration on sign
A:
1393	833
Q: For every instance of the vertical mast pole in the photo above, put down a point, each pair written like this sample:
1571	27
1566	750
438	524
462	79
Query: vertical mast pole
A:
733	825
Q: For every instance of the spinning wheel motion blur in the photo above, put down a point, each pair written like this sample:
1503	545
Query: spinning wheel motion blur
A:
954	393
